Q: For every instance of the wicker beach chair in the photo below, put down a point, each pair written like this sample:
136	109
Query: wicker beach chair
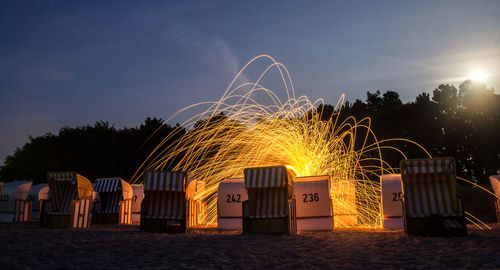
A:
271	205
14	203
70	201
164	206
432	206
314	204
231	193
115	199
495	184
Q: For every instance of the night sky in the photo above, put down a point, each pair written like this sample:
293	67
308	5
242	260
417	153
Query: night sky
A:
70	64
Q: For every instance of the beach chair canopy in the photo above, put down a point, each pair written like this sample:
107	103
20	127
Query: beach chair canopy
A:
111	192
66	187
269	189
116	184
268	177
230	194
165	181
430	187
39	192
12	191
165	196
313	196
16	190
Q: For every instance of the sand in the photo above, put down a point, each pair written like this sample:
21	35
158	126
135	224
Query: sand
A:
28	246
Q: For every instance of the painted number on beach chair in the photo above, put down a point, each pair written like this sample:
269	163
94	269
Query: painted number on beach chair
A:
233	198
310	197
397	196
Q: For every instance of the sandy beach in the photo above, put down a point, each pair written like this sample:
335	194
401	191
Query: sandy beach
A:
28	246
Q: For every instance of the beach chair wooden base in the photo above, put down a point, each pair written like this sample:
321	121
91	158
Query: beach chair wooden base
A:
163	225
78	218
436	225
57	220
105	218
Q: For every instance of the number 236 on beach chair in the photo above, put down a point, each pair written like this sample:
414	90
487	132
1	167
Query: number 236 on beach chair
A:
271	205
164	206
432	206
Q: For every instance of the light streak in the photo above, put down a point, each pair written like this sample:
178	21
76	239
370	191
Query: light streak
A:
292	132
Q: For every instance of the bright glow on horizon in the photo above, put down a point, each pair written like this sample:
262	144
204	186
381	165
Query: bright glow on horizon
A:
477	76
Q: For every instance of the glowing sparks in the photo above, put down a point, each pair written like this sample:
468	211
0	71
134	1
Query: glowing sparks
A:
238	132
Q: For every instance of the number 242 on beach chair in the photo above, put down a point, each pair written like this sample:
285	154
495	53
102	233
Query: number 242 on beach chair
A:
271	205
432	206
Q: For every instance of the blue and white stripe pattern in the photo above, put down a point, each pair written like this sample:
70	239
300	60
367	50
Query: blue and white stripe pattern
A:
110	194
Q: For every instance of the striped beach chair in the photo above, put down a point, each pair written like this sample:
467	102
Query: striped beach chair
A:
432	205
164	206
115	201
70	201
271	205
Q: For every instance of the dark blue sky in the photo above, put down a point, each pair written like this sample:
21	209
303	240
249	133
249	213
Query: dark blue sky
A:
65	63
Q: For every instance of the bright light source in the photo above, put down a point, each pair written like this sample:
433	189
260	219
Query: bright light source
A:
477	76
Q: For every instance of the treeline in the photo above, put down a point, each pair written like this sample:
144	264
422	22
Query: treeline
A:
94	151
461	122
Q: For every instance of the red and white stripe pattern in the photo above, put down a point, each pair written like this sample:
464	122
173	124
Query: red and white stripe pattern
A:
80	216
125	216
63	190
429	187
266	177
165	181
268	192
164	195
21	211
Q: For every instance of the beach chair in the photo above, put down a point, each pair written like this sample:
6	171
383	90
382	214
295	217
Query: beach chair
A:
115	201
37	194
271	205
14	204
70	201
231	193
314	203
495	184
137	198
392	202
196	206
164	206
432	206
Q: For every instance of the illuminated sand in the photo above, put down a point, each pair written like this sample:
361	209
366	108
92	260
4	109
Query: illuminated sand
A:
288	132
28	246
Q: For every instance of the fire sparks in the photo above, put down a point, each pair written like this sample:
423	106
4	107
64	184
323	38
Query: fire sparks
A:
239	132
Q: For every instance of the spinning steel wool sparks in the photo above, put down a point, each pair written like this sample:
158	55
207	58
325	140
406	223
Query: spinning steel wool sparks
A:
239	132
